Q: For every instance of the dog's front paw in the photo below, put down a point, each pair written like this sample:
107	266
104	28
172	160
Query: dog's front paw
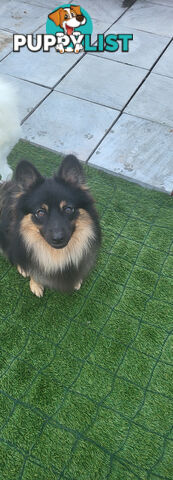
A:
61	49
36	288
78	285
22	272
78	47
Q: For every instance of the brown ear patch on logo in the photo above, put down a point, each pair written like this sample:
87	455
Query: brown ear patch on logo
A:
57	17
76	9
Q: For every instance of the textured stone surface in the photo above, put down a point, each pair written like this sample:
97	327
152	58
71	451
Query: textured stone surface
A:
165	64
23	17
40	67
68	124
140	150
6	43
150	17
102	81
144	49
152	101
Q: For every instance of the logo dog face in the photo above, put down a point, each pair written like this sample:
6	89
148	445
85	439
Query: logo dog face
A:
68	18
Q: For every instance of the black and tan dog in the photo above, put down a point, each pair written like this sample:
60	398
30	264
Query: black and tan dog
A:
49	227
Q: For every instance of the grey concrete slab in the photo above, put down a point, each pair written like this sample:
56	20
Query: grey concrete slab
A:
167	3
50	4
99	26
139	150
149	17
68	125
28	95
21	17
153	100
40	67
144	49
103	10
165	64
6	43
102	81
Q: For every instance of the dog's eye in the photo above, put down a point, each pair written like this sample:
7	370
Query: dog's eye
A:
40	213
66	16
68	210
73	14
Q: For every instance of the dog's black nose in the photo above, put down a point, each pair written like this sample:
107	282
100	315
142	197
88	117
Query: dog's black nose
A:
79	18
58	237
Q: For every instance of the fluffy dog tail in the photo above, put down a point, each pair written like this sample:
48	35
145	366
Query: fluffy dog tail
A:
9	125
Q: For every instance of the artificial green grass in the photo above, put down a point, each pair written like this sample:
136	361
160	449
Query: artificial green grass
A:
86	379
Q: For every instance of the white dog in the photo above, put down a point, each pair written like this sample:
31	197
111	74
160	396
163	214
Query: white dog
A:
9	125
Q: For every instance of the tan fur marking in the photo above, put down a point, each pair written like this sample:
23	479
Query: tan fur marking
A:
22	272
18	195
51	259
45	207
78	285
84	187
62	204
36	288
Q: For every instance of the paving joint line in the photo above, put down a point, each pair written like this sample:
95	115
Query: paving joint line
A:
89	101
122	111
95	54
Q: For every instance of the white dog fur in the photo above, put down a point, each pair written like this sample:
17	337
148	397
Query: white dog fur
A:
9	125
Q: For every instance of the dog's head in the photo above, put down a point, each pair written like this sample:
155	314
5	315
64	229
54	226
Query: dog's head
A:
68	18
58	209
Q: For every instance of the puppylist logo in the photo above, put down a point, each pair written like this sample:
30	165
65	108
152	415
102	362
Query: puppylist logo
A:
69	29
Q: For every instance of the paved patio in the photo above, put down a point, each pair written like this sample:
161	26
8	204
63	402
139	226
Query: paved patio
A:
113	110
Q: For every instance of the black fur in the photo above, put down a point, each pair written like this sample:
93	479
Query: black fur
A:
31	196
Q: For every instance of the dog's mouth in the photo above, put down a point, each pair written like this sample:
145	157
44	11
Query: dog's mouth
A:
69	30
58	245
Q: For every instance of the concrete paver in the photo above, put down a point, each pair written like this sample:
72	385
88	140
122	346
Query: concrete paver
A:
152	101
102	81
39	67
29	95
165	64
6	43
140	53
140	150
150	18
167	3
67	124
23	17
51	4
110	9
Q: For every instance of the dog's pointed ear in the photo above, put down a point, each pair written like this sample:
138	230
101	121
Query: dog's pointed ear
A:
71	171
26	174
56	16
76	9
